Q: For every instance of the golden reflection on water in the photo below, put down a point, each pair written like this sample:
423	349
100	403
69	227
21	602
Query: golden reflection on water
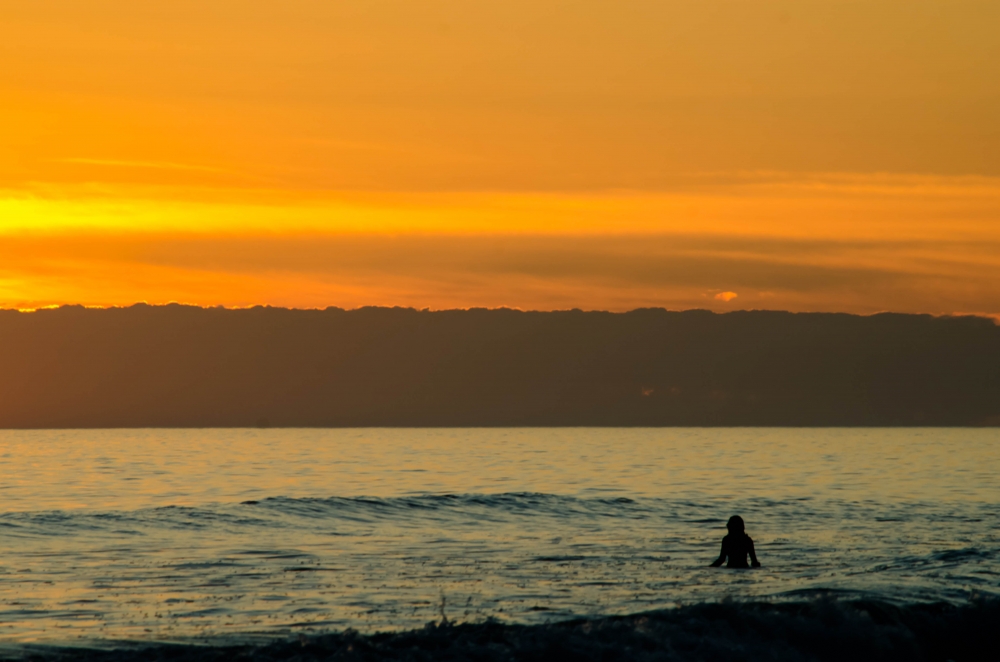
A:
129	469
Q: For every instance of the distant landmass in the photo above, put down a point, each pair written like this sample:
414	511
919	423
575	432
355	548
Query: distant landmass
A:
183	366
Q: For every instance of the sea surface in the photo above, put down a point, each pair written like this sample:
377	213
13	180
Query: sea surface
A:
176	535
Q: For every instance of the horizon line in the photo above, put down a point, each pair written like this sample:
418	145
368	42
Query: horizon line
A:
994	317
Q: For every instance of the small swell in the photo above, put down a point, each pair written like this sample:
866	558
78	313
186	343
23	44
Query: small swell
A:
821	629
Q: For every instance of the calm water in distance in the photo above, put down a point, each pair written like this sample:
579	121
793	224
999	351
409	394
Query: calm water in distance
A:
145	534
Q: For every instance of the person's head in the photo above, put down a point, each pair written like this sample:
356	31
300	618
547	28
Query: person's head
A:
735	524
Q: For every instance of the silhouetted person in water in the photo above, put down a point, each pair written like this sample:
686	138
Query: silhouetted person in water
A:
736	546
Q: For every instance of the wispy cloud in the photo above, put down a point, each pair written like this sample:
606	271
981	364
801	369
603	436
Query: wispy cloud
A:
156	165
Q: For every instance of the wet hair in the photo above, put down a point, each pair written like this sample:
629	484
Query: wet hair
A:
735	524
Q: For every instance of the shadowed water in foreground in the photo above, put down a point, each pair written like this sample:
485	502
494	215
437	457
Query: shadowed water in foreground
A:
820	630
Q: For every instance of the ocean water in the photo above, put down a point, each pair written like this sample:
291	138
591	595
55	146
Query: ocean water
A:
175	535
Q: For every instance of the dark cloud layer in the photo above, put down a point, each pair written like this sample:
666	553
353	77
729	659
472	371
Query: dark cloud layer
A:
178	366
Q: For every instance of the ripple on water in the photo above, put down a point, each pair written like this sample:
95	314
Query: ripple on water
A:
260	544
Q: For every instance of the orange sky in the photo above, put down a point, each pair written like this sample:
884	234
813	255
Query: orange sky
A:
804	155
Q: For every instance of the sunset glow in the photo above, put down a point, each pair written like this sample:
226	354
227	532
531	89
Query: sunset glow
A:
723	155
